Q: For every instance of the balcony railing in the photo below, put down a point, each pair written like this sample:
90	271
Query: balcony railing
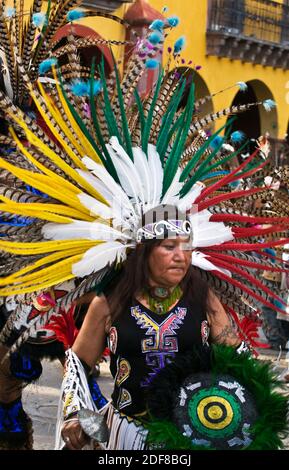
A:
251	30
108	5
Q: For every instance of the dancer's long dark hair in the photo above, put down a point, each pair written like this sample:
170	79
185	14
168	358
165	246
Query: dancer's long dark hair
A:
135	276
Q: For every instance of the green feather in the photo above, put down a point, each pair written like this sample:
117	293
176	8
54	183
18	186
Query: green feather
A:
223	160
140	110
191	164
173	160
79	120
107	161
204	164
167	129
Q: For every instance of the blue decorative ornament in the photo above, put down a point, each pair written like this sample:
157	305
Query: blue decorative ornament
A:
13	419
179	45
157	24
39	19
237	137
76	14
24	367
216	142
173	21
46	65
152	64
155	37
99	400
269	105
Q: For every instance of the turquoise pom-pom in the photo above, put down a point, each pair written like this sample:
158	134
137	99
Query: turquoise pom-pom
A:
82	88
173	21
152	64
242	85
179	45
157	24
76	14
155	37
269	105
39	19
79	88
46	65
237	137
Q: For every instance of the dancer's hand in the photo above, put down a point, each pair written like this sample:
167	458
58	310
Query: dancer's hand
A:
73	435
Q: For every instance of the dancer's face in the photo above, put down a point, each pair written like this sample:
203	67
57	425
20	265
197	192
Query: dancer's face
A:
169	261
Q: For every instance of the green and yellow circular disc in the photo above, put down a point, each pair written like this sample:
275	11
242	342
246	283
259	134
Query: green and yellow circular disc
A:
214	412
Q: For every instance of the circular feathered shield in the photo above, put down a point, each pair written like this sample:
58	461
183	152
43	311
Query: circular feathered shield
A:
222	400
216	412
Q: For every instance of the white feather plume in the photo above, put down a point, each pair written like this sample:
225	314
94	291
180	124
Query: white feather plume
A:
126	171
81	230
97	185
95	207
100	172
171	196
142	167
206	233
100	256
200	260
186	202
157	174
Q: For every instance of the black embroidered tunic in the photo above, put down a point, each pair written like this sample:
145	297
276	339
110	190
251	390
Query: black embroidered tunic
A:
143	342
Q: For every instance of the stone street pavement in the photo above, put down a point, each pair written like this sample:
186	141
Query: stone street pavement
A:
41	399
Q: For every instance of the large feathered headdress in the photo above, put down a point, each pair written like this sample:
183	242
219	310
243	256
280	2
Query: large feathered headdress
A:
108	165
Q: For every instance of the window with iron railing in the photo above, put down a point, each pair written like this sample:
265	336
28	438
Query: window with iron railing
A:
264	20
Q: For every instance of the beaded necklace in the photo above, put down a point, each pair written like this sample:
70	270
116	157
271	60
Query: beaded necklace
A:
160	299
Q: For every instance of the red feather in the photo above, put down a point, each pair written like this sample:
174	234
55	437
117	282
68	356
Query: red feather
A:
244	288
226	179
225	196
249	277
244	262
248	330
247	219
64	327
244	232
248	246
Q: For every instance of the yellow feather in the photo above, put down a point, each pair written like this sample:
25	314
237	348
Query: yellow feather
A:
41	167
45	260
36	288
42	183
12	209
37	248
51	209
87	145
34	140
57	116
51	276
45	272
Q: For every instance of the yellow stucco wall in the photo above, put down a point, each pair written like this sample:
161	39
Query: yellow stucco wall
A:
217	73
220	73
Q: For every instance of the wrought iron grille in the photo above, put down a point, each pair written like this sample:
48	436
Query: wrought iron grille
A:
108	5
264	20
